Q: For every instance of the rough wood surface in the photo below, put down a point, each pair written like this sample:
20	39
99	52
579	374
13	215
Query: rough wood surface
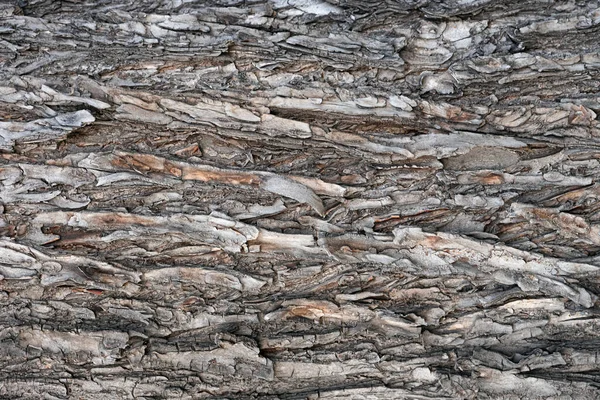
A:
299	199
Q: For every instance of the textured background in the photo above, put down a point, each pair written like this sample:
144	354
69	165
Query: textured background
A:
299	199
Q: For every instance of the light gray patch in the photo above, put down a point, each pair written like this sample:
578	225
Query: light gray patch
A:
482	158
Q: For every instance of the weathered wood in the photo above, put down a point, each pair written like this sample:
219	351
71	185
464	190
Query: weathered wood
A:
299	199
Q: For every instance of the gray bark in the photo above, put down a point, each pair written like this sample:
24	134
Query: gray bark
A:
299	199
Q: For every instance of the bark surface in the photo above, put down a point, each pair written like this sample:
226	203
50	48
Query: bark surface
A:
299	199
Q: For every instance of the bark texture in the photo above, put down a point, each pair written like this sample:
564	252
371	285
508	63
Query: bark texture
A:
299	199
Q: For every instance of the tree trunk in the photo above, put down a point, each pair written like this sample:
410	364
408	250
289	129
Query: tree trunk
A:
299	199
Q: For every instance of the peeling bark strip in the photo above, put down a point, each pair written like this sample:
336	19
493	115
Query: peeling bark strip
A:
299	199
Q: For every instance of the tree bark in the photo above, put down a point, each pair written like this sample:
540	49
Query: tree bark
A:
299	199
